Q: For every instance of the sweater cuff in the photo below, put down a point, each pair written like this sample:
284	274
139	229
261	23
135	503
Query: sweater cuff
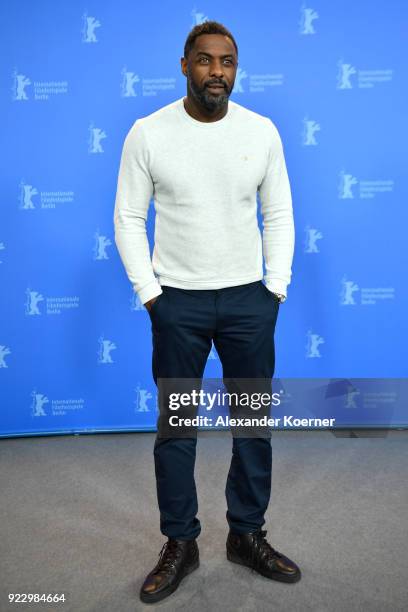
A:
149	291
277	286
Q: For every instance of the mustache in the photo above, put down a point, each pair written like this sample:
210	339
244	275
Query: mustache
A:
220	83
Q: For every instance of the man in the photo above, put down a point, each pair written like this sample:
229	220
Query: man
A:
203	158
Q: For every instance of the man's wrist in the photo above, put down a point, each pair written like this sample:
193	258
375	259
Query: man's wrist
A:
280	297
277	287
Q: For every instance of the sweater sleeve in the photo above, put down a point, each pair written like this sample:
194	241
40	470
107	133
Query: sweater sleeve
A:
278	237
134	192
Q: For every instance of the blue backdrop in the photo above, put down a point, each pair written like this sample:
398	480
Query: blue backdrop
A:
75	343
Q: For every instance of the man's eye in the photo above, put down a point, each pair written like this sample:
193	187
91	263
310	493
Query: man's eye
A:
206	59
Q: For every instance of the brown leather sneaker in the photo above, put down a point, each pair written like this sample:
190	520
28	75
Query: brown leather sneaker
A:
177	558
252	549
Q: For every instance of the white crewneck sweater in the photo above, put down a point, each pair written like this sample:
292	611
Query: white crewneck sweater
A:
204	179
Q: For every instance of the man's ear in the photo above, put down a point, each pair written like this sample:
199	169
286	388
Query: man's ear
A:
183	69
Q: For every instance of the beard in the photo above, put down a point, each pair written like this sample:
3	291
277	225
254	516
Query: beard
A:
205	98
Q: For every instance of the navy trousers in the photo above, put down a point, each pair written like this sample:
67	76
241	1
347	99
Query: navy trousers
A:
240	320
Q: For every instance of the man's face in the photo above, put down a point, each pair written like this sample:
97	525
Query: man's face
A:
210	69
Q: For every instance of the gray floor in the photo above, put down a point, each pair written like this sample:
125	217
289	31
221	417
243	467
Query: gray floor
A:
79	516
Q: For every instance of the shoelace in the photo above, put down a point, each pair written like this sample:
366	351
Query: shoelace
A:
167	556
261	548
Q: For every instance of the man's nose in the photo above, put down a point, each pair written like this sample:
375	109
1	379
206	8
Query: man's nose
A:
216	69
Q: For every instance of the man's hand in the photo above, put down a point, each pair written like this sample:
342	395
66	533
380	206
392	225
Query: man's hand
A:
150	303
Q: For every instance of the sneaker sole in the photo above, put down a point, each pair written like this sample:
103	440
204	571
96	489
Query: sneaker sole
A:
281	577
155	597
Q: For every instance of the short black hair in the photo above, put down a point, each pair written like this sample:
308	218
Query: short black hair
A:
207	27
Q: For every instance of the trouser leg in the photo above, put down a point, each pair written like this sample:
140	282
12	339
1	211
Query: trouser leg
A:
181	328
244	339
